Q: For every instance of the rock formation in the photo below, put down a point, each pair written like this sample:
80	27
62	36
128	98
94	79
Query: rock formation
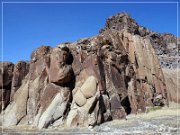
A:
6	74
87	82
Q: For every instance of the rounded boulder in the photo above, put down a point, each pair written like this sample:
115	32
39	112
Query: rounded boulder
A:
79	98
89	87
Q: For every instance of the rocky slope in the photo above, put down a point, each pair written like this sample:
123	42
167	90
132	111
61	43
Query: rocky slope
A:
90	81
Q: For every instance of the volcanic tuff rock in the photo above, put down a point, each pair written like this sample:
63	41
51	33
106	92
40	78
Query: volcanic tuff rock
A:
89	81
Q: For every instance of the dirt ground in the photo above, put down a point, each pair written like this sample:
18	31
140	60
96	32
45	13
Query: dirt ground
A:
158	121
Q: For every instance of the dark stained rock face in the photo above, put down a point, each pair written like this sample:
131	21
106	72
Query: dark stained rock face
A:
60	71
88	82
21	69
6	75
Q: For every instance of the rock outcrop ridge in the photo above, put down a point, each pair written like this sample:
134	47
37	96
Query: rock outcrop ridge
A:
166	45
87	82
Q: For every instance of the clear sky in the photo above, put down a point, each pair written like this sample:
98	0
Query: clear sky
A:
28	26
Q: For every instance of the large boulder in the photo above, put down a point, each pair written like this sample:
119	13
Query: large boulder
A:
89	87
87	90
60	72
79	98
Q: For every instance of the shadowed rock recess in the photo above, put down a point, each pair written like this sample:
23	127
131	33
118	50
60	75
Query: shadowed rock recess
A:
90	81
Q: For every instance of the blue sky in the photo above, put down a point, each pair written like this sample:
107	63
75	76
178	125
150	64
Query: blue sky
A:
28	26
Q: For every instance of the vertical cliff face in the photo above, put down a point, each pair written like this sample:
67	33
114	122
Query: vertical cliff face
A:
89	81
6	74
